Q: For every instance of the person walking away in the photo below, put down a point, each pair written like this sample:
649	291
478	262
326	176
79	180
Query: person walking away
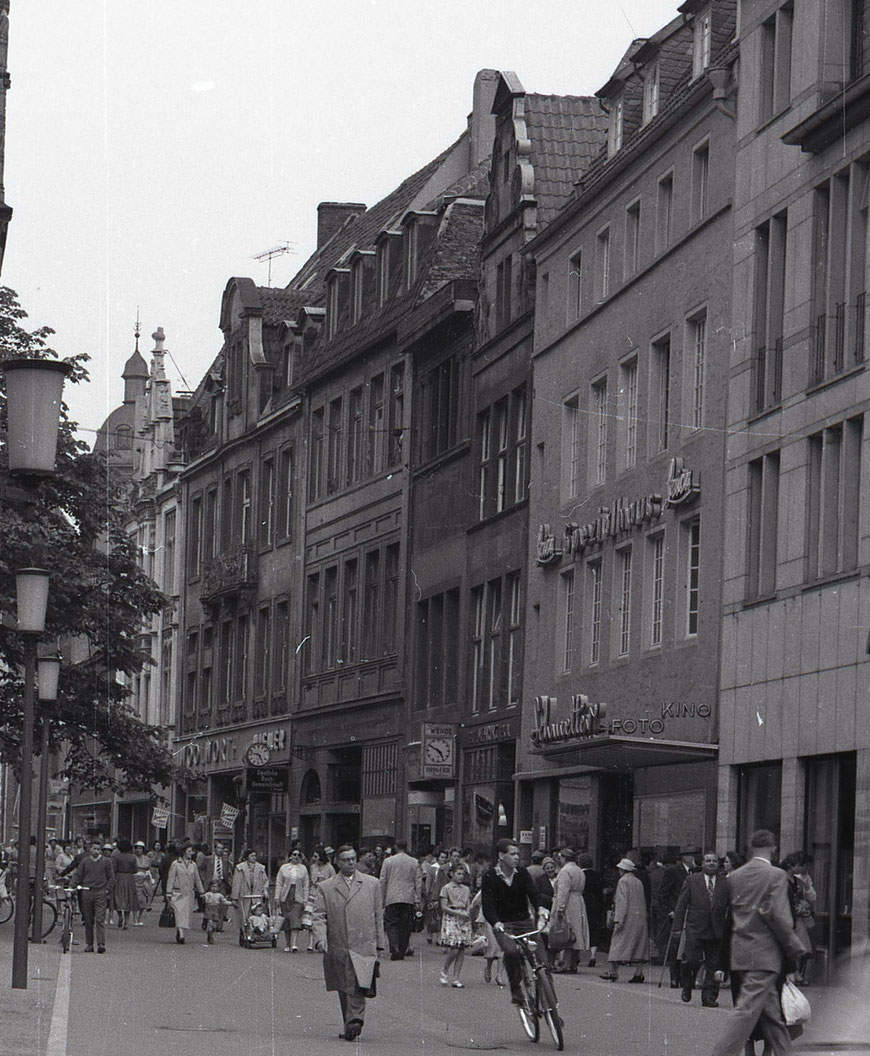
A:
216	906
663	910
693	919
183	884
349	932
125	881
142	879
402	884
763	944
630	941
510	903
455	923
568	905
321	869
291	894
95	873
536	868
593	898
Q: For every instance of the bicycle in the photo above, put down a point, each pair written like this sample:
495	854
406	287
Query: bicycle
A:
539	1000
65	895
49	913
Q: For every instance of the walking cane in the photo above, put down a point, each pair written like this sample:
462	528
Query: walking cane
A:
665	958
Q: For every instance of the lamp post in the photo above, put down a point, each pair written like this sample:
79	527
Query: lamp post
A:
34	389
47	675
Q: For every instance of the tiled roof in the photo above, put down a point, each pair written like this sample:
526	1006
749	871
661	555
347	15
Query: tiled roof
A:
566	134
280	304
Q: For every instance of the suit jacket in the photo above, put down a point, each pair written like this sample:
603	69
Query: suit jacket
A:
207	872
670	887
401	879
248	881
694	912
762	927
349	925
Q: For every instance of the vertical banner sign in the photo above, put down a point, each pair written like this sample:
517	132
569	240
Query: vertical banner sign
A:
228	815
160	817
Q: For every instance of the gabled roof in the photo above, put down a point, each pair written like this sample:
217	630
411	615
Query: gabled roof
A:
566	134
280	305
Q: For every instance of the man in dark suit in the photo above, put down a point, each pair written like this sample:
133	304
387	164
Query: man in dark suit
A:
401	883
693	918
666	903
763	938
217	866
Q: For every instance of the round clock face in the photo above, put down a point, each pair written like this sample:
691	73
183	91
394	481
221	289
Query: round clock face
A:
257	754
439	750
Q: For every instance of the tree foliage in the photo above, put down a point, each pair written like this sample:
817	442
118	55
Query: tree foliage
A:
98	599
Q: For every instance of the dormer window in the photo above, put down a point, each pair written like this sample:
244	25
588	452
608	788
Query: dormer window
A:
614	138
388	245
410	254
361	270
651	93
702	42
419	229
337	282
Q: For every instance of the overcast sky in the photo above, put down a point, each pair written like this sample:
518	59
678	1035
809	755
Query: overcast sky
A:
153	147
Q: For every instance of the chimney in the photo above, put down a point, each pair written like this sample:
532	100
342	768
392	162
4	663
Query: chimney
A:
331	216
481	123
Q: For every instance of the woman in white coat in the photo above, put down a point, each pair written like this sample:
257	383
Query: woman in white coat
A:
291	894
630	941
183	884
568	903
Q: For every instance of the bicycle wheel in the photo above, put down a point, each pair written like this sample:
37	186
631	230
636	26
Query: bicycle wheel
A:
527	1011
7	908
49	917
549	1009
66	931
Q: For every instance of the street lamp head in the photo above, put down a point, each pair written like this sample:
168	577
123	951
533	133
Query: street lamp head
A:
47	677
34	388
31	587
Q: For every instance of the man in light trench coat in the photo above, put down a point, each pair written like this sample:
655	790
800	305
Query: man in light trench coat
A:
349	931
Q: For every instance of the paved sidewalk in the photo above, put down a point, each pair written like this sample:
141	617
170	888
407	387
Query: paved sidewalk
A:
25	1015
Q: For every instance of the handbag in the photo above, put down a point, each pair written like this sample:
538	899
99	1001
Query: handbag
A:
561	934
795	1006
167	916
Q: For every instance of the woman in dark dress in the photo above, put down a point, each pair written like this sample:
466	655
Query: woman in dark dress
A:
126	898
593	896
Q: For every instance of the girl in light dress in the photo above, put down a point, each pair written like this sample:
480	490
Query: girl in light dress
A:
455	923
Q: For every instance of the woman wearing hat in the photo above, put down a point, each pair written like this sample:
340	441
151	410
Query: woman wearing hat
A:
630	941
142	878
568	904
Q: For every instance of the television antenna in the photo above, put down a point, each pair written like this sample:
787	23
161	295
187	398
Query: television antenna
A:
269	255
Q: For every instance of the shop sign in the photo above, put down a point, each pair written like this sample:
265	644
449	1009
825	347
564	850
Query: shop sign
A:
266	779
438	751
586	720
525	835
489	733
620	517
225	752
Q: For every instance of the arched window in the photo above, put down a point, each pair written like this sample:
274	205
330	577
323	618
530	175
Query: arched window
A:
124	438
310	791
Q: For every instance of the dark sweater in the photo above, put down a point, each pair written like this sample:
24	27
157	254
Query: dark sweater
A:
508	902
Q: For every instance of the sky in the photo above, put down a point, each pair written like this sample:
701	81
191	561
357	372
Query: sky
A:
155	147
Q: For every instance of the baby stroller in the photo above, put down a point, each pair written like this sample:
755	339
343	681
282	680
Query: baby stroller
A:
258	925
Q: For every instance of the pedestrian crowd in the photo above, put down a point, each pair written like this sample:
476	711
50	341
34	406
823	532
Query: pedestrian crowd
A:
700	917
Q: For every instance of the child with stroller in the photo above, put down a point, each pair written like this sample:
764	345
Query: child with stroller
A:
213	900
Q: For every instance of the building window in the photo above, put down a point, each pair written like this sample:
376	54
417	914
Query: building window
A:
349	612
333	304
575	286
502	464
566	649
839	260
384	251
624	586
763	524
372	605
503	292
285	495
437	646
376	425
501	454
194	537
190	682
123	438
693	577
397	413
697	333
391	598
409	247
477	646
515	638
770	258
775	64
833	498
315	469
602	263
518	410
657	588
330	617
227	519
483	431
494	644
628	398
700	181
664	212
859	38
440	409
614	137
632	240
240	682
701	42
267	502
312	631
660	392
169	532
599	428
243	497
594	568
354	436
357	287
264	651
206	682
333	446
572	432
281	648
210	523
651	92
227	657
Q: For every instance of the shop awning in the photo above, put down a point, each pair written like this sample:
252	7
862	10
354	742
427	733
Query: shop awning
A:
625	753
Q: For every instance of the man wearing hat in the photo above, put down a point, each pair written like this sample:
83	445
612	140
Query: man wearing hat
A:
536	869
668	893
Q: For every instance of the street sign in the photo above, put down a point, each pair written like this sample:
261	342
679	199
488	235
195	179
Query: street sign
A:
267	779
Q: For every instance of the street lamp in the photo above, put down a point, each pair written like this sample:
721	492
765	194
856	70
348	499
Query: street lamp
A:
47	676
34	388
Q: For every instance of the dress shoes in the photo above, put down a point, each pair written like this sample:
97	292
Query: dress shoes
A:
353	1030
637	978
397	956
674	985
686	995
88	949
710	1004
101	949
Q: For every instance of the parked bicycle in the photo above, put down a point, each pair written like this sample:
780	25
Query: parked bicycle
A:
539	995
67	896
49	912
